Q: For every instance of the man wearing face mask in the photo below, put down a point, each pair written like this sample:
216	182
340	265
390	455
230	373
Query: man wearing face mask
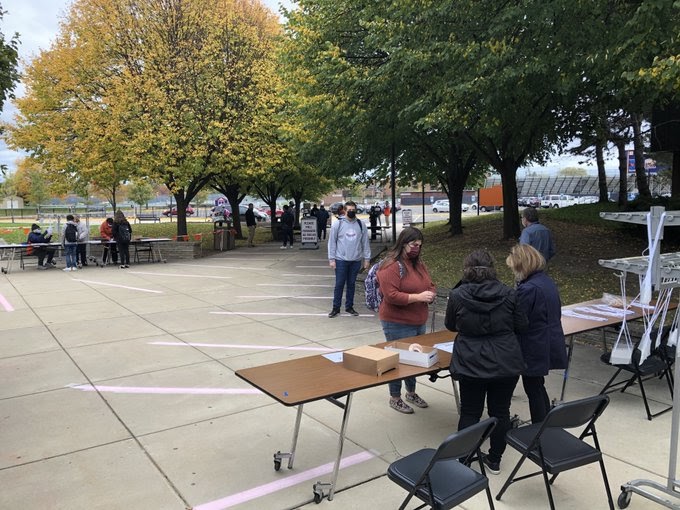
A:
407	290
348	250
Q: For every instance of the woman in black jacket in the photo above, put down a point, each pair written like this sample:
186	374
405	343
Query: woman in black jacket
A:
543	344
122	234
487	358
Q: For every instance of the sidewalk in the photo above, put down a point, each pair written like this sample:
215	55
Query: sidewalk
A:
119	393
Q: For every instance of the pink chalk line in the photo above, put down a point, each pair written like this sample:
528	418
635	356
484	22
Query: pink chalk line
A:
268	488
119	286
243	346
6	304
165	391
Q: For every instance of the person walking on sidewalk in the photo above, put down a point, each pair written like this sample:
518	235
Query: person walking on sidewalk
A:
287	222
536	234
251	223
348	246
322	222
407	290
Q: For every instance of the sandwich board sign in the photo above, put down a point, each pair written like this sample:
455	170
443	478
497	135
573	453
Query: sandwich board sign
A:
308	233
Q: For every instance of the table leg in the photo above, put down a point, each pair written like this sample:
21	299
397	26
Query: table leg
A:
278	456
570	351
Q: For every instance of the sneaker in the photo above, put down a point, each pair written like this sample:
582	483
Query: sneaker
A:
66	269
122	266
126	266
42	267
291	247
74	268
352	311
415	400
53	263
399	405
493	467
334	312
283	247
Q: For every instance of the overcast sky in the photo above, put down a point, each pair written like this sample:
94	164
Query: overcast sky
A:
37	23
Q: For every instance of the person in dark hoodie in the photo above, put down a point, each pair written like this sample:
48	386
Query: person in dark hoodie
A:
36	236
543	344
487	358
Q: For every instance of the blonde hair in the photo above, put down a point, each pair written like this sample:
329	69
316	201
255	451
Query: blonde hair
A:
524	260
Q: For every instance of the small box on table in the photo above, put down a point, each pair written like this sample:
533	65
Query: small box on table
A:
426	357
370	360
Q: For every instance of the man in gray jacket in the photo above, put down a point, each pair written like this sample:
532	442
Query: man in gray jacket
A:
348	250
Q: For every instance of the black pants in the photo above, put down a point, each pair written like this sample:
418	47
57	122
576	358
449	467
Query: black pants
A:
287	235
539	402
124	251
81	254
41	252
321	229
114	253
497	393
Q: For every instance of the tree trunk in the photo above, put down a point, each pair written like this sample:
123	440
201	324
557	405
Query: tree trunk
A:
511	228
601	174
623	172
182	203
639	149
675	182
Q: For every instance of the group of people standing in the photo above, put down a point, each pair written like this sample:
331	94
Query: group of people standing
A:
74	239
503	332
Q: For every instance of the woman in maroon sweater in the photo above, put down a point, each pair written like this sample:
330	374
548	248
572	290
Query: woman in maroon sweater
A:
407	289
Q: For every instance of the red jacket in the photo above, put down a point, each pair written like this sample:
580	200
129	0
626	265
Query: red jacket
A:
105	231
395	290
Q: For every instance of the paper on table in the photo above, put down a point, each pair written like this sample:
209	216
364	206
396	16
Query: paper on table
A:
335	357
445	346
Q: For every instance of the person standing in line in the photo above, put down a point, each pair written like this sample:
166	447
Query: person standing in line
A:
321	222
543	344
83	238
487	357
251	223
106	233
287	221
69	239
407	290
36	236
387	211
122	234
535	234
314	211
348	245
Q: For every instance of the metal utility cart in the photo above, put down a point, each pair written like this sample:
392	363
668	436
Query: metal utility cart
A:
664	272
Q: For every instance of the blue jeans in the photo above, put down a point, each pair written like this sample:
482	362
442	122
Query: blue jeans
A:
346	272
70	251
395	331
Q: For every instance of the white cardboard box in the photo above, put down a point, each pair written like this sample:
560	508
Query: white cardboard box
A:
426	358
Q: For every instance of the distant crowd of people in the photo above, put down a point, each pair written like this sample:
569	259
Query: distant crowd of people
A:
115	234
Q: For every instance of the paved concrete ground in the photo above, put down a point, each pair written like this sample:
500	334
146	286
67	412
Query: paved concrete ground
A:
171	427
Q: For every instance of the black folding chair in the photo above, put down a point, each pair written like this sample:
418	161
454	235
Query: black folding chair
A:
658	364
437	477
551	447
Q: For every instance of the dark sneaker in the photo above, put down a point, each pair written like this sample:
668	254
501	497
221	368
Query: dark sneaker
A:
334	312
492	467
400	406
415	400
352	311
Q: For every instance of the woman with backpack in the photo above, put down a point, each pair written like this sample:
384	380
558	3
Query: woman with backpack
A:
70	242
407	290
122	234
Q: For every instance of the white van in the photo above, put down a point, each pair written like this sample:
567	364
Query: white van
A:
555	201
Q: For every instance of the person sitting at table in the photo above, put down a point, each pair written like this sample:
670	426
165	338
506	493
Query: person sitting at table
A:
543	344
487	357
36	236
106	233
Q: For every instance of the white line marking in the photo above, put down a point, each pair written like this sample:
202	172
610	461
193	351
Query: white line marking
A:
227	267
165	391
289	481
287	314
6	304
244	346
119	286
316	267
181	275
310	275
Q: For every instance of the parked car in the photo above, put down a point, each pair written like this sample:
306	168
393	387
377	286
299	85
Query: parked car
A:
464	207
531	202
440	206
335	206
173	211
556	201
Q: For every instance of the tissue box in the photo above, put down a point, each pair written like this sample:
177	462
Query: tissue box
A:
426	359
370	360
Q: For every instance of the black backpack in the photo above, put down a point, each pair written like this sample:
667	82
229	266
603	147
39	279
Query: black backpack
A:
124	233
71	233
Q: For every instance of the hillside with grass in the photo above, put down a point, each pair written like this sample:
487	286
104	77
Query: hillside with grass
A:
582	238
